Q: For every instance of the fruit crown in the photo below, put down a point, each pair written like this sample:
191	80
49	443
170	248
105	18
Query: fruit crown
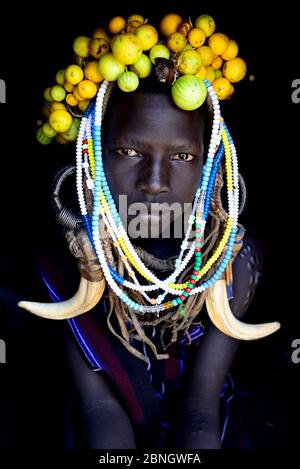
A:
186	54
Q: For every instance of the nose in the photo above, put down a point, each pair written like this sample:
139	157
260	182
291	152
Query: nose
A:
153	178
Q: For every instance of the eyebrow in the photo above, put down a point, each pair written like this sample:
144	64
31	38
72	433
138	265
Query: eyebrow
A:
184	146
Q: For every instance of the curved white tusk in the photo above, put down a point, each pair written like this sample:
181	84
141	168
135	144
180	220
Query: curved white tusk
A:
87	296
222	317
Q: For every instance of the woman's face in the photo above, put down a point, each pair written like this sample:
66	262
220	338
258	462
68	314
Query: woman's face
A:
153	151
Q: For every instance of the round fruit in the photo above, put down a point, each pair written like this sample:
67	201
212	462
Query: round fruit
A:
222	88
73	74
109	67
101	33
232	50
206	23
98	47
170	23
87	89
202	73
128	81
57	107
218	73
126	48
217	63
184	28
210	74
47	95
77	96
147	35
42	138
235	70
71	134
218	43
57	93
83	105
142	67
189	62
189	92
60	77
138	18
206	55
176	42
159	52
81	46
71	100
60	121
48	131
46	109
61	140
116	24
131	27
68	86
92	73
196	37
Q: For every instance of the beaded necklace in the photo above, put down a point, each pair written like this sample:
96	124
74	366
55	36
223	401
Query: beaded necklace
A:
89	167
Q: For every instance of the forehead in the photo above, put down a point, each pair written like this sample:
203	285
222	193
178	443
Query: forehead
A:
154	119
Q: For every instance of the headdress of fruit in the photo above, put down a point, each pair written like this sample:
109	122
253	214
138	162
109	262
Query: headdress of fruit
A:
181	53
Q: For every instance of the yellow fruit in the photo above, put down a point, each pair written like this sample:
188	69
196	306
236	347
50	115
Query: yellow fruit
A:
196	37
206	55
71	100
189	62
147	35
138	18
92	72
68	86
109	67
74	74
126	48
160	51
81	46
116	24
184	28
83	105
217	63
87	89
222	88
235	70
61	140
60	77
131	27
218	43
101	33
207	23
98	47
47	95
210	74
176	42
60	121
77	96
57	107
231	51
202	73
170	23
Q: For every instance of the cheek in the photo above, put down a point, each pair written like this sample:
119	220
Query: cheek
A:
119	176
186	179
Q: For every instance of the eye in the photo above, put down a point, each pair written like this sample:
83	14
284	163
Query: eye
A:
128	152
183	157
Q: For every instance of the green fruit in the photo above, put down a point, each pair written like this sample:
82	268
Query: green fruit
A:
81	46
48	131
60	77
189	62
57	93
128	81
142	67
189	92
109	67
42	138
159	51
71	134
47	95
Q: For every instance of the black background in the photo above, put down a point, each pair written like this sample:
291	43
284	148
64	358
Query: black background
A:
36	41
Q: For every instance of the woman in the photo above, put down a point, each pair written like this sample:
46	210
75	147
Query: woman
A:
136	369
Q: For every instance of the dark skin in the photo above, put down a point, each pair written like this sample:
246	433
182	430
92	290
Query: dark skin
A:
154	153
